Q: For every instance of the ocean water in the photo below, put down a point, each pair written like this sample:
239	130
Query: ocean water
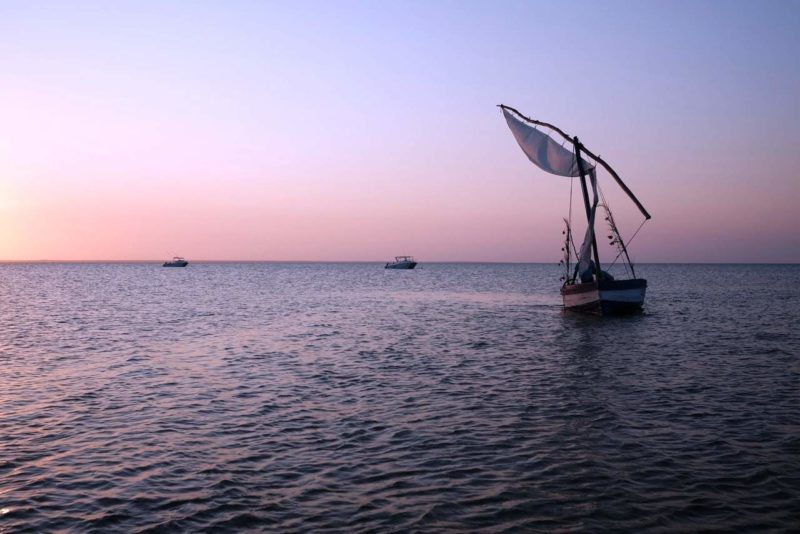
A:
349	398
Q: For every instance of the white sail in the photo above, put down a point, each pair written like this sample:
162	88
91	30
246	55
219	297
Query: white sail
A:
542	150
585	255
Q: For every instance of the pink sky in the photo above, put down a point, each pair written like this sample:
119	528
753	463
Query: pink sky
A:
359	132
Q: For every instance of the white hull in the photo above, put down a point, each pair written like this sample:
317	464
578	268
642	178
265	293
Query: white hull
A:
577	300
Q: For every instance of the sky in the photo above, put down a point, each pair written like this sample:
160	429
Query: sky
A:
352	131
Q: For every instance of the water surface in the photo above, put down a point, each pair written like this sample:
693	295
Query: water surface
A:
346	397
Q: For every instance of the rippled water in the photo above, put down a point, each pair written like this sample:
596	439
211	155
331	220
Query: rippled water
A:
344	397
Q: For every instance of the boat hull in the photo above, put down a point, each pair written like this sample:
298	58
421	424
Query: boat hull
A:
401	265
175	264
608	297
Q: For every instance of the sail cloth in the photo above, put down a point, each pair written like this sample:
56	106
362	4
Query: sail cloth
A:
542	150
585	263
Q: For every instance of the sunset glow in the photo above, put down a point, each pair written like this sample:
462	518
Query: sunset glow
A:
358	131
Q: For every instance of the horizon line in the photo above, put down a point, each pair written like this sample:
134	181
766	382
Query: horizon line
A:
207	261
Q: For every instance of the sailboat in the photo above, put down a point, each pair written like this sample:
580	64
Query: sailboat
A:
587	287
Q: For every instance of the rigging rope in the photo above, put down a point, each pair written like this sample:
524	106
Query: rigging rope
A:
571	181
613	229
629	242
571	236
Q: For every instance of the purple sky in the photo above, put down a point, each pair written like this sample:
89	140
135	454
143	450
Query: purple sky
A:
363	130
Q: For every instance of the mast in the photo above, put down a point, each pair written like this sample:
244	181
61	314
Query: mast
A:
598	159
589	220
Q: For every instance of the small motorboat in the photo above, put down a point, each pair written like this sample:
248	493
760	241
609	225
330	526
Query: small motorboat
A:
401	262
177	261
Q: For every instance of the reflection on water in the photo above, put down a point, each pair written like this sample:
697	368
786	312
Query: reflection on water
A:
346	397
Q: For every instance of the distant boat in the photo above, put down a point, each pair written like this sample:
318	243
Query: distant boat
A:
588	287
401	262
177	261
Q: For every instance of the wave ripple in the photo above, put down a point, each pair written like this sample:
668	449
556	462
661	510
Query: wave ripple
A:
333	397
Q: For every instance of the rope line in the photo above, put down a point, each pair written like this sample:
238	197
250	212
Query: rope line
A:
629	242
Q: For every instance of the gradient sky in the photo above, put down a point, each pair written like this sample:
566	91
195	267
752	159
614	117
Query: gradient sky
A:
361	130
